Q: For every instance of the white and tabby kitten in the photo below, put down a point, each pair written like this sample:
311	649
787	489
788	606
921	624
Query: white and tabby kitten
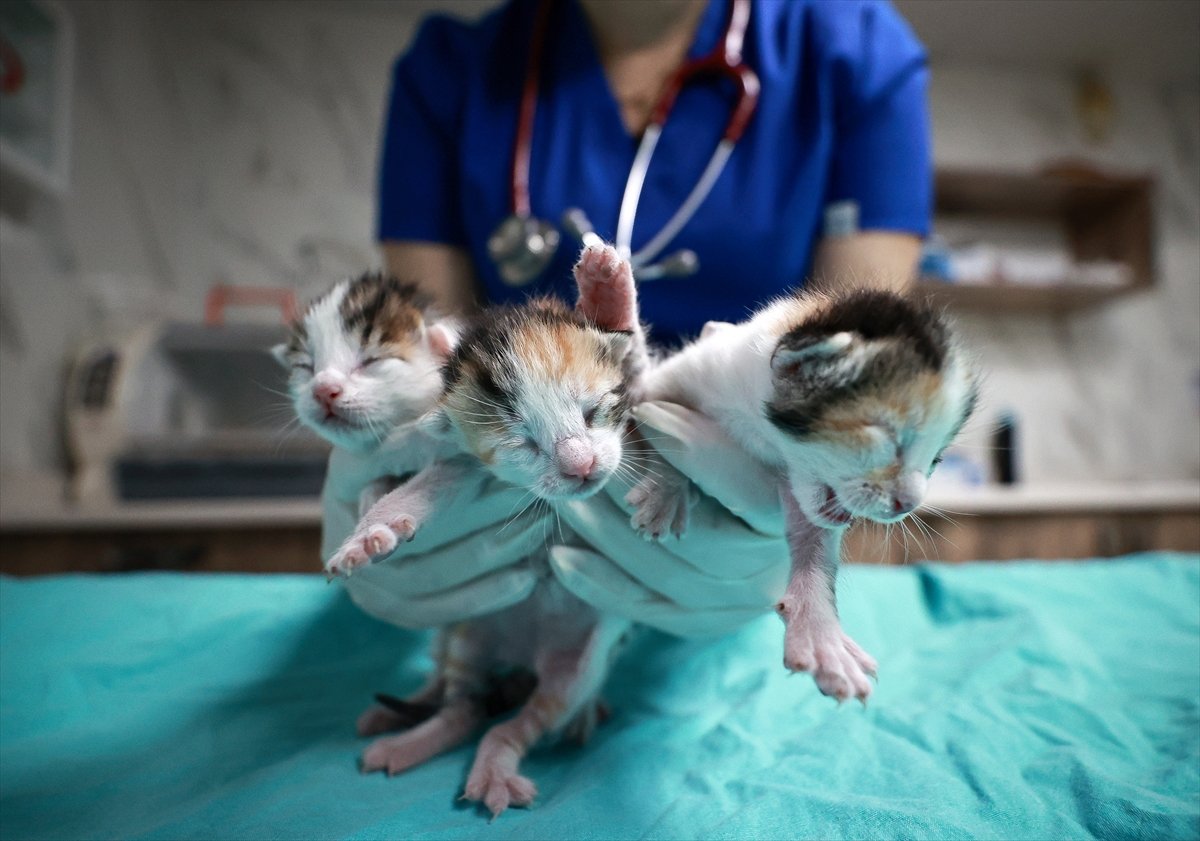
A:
365	363
365	358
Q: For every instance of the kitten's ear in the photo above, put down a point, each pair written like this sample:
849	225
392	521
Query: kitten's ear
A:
619	343
442	339
711	328
279	351
819	350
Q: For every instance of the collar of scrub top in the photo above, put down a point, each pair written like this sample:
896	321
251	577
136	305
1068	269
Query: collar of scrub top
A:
522	245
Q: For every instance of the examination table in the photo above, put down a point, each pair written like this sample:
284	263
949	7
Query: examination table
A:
1015	700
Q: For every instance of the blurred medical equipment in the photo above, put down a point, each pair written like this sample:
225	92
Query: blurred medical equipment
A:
184	410
523	245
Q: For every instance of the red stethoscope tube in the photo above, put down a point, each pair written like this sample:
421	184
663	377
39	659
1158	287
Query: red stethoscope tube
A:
725	60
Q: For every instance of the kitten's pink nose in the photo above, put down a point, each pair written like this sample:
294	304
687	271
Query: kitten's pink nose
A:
908	493
575	458
903	505
327	394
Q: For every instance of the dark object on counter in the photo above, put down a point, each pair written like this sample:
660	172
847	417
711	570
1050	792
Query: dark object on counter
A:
1004	451
148	477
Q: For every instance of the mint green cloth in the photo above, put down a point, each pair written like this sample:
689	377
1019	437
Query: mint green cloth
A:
1027	700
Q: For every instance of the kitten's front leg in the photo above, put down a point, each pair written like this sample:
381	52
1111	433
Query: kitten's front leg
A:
395	518
814	640
374	491
663	498
662	501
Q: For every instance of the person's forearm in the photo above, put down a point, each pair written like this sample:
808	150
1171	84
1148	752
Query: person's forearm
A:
443	272
874	259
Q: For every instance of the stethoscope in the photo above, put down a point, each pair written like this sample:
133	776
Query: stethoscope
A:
523	245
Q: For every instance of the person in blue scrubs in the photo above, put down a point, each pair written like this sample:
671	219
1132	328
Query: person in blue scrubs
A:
842	121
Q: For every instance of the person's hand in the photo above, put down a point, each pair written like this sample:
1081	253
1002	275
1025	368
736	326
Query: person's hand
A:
471	556
469	560
729	567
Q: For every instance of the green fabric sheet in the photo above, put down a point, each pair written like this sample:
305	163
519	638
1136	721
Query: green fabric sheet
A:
1030	700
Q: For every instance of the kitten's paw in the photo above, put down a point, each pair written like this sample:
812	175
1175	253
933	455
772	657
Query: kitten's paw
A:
661	507
369	544
606	287
395	754
839	666
379	541
377	719
497	787
348	558
403	528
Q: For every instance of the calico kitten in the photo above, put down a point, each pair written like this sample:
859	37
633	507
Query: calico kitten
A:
538	395
852	398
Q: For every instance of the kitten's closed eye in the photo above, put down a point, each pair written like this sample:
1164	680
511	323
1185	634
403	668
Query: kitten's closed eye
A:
303	364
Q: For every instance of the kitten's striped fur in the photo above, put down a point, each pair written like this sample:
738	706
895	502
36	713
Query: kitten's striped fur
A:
364	357
525	384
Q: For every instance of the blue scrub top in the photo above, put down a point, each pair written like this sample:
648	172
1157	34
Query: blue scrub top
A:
842	116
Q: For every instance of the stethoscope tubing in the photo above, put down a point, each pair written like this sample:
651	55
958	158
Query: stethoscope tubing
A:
724	60
523	148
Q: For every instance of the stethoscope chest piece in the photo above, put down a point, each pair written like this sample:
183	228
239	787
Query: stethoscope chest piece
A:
521	247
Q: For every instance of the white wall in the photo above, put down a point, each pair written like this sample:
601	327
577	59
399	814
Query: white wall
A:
237	142
1112	392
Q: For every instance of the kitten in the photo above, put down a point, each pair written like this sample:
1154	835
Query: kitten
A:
365	363
852	398
364	358
539	396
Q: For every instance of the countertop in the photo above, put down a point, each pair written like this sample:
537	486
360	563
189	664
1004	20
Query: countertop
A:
37	503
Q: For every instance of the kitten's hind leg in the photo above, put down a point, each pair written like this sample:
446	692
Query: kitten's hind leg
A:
457	689
814	640
448	728
384	717
568	680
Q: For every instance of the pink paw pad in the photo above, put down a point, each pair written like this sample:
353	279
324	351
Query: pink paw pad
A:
497	790
607	294
379	540
347	559
393	755
404	528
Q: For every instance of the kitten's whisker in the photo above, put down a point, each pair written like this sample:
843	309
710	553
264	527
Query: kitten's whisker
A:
271	390
931	547
939	534
517	516
942	512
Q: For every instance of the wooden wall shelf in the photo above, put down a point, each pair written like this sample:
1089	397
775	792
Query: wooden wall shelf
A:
1007	297
1104	217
